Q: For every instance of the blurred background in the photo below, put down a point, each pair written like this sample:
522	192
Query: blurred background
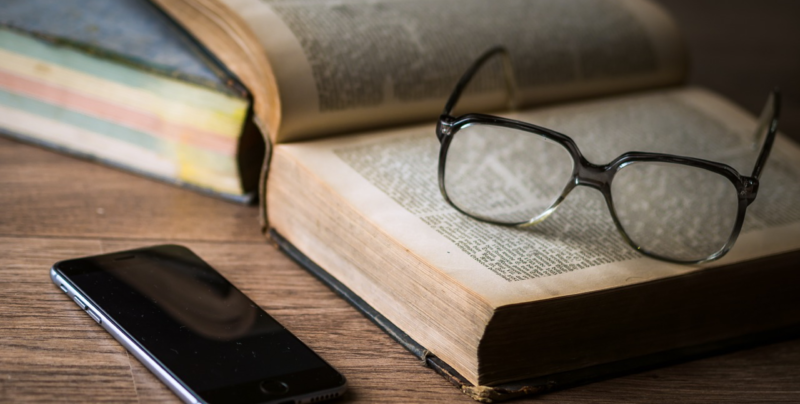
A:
742	49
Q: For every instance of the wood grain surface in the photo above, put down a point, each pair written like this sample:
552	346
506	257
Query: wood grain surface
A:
54	207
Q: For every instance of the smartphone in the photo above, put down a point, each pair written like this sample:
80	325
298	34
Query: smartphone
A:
194	330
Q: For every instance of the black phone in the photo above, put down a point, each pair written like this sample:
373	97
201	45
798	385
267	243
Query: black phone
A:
194	330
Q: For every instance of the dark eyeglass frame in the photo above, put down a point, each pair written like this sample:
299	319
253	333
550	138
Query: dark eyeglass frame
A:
600	176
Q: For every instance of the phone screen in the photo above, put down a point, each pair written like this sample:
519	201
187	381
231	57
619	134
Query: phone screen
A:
197	324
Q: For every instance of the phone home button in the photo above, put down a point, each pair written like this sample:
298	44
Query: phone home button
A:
274	387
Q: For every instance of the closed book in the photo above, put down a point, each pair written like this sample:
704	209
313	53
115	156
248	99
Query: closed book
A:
119	82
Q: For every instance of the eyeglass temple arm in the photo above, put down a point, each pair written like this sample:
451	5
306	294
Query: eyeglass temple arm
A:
508	73
771	132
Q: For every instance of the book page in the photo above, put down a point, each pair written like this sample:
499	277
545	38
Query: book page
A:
391	179
347	65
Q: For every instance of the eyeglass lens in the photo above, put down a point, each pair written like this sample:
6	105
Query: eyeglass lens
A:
675	211
505	175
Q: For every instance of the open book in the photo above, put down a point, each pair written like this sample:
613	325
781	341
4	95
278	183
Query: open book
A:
348	92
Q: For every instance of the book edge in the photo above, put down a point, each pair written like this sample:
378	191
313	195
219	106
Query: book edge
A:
248	198
537	385
227	84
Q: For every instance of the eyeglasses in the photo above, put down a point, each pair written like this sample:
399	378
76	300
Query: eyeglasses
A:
673	208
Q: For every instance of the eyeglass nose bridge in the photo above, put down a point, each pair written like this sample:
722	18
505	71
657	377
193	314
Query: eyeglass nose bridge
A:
592	175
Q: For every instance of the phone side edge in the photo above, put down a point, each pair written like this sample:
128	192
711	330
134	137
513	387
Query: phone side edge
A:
184	393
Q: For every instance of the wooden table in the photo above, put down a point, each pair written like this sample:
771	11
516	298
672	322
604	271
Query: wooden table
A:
54	207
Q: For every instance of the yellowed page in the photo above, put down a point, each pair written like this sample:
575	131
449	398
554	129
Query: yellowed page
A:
390	179
348	65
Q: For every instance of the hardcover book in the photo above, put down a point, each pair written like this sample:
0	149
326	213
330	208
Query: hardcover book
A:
119	82
349	93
